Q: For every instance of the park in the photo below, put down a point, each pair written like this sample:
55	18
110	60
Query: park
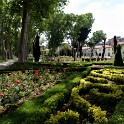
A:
51	72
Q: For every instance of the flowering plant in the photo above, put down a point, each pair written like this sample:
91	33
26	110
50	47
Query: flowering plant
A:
28	84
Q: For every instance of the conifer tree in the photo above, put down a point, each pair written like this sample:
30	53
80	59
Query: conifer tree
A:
36	49
118	58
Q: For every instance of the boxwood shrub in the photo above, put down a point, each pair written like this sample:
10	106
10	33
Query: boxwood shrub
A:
67	117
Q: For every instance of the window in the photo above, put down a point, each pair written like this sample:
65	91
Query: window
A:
99	54
108	49
108	54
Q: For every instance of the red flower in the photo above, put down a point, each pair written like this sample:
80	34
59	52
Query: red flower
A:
39	77
23	85
2	94
17	81
35	71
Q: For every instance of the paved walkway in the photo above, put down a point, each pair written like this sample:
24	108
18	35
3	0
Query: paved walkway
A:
7	63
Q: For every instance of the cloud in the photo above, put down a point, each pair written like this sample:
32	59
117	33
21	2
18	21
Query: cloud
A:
108	14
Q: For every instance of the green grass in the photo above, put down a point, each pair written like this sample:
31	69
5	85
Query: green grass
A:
118	116
31	109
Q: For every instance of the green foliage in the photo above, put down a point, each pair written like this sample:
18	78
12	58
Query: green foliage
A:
118	116
98	115
110	98
97	37
83	34
38	116
96	79
67	117
118	57
55	101
56	29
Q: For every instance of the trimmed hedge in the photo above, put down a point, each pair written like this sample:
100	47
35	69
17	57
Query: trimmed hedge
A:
94	113
67	117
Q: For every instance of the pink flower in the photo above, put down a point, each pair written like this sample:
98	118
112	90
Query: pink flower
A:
12	85
23	85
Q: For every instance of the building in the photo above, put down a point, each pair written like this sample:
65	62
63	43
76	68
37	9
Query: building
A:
98	50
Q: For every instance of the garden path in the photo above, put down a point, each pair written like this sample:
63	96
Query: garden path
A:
7	63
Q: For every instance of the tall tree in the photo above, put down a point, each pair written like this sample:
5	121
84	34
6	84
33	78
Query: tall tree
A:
83	24
56	31
97	37
118	61
37	10
115	44
83	34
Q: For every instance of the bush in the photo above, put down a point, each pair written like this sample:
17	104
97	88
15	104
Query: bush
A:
98	115
104	98
67	117
56	101
96	79
118	57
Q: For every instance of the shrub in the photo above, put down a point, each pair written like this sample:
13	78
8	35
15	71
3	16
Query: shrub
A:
97	114
80	104
55	101
67	117
36	49
118	57
96	79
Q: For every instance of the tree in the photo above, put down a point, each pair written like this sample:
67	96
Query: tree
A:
56	31
97	37
83	27
83	33
37	10
36	49
118	57
115	44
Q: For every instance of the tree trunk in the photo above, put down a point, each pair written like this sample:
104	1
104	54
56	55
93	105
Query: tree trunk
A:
2	35
22	53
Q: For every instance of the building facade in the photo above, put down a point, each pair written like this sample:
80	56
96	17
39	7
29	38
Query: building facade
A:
98	50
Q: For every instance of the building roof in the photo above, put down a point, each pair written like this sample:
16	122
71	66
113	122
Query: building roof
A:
106	46
121	43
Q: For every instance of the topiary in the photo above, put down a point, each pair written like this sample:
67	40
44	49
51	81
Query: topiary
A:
36	49
118	58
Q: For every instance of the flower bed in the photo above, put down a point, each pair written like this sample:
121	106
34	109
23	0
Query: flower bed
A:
27	84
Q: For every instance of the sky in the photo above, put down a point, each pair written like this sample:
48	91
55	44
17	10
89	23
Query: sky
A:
108	14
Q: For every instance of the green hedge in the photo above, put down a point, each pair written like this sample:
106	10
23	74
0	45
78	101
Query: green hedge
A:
84	108
67	117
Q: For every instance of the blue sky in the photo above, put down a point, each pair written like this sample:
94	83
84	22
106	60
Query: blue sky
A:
108	14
